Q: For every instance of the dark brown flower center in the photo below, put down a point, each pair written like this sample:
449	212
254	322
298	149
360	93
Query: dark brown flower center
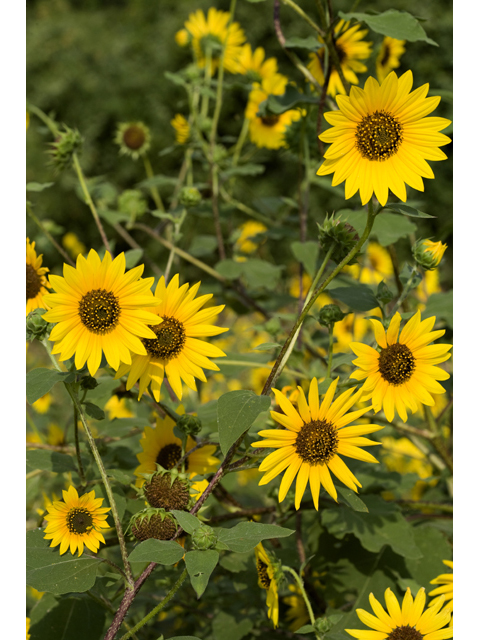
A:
379	136
134	137
34	282
170	339
340	52
99	311
386	56
169	455
396	364
405	633
270	120
263	576
79	521
317	442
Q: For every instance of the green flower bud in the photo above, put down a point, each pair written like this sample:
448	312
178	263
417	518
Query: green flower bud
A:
190	197
323	625
204	537
37	327
329	314
68	142
88	382
428	254
132	202
338	236
189	425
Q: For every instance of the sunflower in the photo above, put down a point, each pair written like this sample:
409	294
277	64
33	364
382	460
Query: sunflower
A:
118	408
403	373
428	254
213	32
351	48
182	128
410	622
377	265
313	441
381	138
161	446
133	139
445	580
269	130
253	64
175	349
266	580
75	522
389	56
73	245
250	237
37	283
100	308
28	619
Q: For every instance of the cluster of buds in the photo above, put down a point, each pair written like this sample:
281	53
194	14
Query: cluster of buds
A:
68	142
428	254
37	327
338	238
153	523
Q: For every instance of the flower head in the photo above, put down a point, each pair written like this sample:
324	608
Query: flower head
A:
37	283
402	375
408	622
250	237
182	128
76	522
389	56
428	254
315	437
253	64
267	580
133	139
445	580
174	349
381	139
99	309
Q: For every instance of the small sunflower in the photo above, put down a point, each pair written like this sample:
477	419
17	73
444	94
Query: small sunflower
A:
315	437
76	522
73	245
269	131
133	139
266	580
160	446
100	308
250	236
213	32
351	48
175	350
389	56
37	283
253	64
410	622
182	128
403	373
381	139
445	580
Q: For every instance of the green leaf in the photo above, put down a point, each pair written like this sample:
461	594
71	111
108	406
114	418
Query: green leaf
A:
441	306
407	211
387	227
159	551
188	522
93	411
396	24
358	297
324	385
307	628
120	476
203	246
351	498
195	637
157	181
435	548
200	565
40	381
50	461
132	257
266	346
384	524
47	570
113	217
229	269
246	535
310	43
74	618
38	186
340	359
260	273
225	626
307	254
234	562
291	99
236	412
242	170
176	78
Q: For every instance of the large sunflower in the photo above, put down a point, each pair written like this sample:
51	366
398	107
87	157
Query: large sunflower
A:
266	580
175	350
161	446
402	374
410	622
76	522
389	56
100	308
37	283
214	32
351	48
445	580
381	138
315	437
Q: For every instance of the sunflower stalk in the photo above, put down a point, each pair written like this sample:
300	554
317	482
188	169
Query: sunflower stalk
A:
81	471
153	190
330	349
42	228
299	582
406	290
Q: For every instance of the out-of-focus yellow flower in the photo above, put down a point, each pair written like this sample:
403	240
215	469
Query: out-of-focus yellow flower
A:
36	594
294	290
428	254
118	408
73	245
402	456
182	128
42	405
389	56
377	265
46	503
430	284
352	327
246	476
248	241
253	64
56	435
182	38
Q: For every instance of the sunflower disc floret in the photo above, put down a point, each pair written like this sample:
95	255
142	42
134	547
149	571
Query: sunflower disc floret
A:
153	523
168	490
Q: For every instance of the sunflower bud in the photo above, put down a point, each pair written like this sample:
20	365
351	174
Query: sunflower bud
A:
189	425
183	38
132	202
329	314
190	196
153	523
68	142
339	237
428	254
133	138
168	490
37	328
204	537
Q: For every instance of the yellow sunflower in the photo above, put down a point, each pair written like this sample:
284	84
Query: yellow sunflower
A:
410	622
37	283
313	441
428	254
381	138
250	236
403	373
161	446
175	350
269	131
100	308
76	522
445	580
402	456
73	245
182	128
253	64
266	580
389	56
376	265
351	48
118	408
28	619
214	32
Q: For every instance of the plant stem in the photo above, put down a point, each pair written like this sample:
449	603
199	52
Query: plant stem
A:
299	582
81	472
408	287
305	17
240	142
330	349
123	233
153	190
330	42
177	227
159	606
39	223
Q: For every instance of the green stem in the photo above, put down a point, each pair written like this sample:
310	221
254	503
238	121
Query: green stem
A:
420	504
408	287
304	16
51	124
243	207
330	42
153	190
330	349
299	582
39	223
177	227
240	142
207	81
159	606
81	472
89	200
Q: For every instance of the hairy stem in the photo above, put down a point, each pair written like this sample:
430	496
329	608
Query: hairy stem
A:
40	225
